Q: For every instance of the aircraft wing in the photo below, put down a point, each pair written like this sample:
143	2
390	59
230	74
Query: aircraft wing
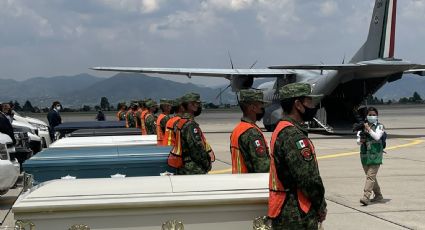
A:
189	72
356	67
367	67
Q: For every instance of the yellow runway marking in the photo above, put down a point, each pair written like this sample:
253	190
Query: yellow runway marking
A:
412	143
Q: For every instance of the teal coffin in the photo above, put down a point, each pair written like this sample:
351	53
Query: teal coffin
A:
98	162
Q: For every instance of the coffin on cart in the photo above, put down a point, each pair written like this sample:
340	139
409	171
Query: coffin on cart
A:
98	162
96	141
69	127
207	202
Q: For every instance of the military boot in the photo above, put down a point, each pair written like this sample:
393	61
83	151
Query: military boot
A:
377	198
365	201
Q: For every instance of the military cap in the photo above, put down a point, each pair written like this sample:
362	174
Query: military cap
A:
251	95
191	97
132	103
296	90
164	101
177	101
150	103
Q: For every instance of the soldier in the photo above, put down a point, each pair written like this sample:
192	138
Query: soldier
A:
121	112
142	107
147	118
247	143
166	108
297	195
169	137
190	143
130	117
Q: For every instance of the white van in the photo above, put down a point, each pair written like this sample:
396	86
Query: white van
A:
40	128
9	170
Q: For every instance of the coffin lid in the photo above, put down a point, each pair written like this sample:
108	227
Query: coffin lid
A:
133	192
94	141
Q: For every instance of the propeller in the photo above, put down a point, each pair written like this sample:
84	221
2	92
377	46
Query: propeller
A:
233	67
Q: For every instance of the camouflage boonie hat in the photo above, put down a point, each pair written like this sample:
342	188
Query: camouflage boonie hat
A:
177	101
251	95
191	97
150	103
164	101
296	90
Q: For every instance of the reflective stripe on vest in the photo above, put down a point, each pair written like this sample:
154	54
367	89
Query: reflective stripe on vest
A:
238	162
143	122
277	194
159	133
177	147
169	136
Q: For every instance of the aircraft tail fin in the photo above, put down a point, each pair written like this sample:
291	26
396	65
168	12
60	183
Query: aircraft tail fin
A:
381	38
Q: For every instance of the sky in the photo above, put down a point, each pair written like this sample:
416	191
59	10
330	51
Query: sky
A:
63	37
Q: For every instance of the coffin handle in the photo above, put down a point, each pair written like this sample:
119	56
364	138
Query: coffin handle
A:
173	225
22	224
79	227
262	223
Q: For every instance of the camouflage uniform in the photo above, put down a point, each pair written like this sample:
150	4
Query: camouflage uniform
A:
150	119
195	156
252	143
297	168
254	149
131	119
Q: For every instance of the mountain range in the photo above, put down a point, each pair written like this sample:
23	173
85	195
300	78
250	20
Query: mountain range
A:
85	89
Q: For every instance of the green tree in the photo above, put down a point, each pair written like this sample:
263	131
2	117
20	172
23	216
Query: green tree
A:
17	106
416	97
28	107
104	103
86	108
120	104
404	100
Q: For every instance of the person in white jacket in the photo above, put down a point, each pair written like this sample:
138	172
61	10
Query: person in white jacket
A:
371	150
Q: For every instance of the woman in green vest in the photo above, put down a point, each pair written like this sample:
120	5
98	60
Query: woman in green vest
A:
371	150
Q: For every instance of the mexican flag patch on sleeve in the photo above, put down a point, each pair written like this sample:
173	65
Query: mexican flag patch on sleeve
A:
302	144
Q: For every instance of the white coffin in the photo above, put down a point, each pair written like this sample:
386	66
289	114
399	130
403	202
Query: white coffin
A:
198	202
71	142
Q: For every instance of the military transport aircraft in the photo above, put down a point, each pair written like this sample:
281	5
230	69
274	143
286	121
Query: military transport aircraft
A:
344	86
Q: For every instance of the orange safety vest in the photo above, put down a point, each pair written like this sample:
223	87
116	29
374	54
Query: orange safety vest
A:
159	133
143	122
169	137
277	193
238	163
175	158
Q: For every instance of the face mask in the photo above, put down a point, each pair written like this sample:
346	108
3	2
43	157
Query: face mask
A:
260	115
309	113
372	119
58	108
198	111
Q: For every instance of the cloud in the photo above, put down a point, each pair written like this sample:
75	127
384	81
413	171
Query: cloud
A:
328	8
141	6
234	5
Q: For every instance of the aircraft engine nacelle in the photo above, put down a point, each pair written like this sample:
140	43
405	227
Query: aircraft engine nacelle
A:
241	82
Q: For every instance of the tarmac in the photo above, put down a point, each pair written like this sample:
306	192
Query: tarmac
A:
401	177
